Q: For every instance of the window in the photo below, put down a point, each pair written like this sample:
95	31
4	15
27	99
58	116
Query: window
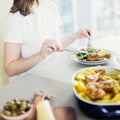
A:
66	11
105	17
102	17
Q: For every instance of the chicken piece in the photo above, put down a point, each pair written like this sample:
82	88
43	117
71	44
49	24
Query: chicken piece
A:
92	78
100	71
118	77
107	85
94	92
101	79
108	55
94	57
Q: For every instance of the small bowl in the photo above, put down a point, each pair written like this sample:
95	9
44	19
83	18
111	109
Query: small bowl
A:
98	110
17	117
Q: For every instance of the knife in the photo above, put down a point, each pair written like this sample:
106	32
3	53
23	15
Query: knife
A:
71	50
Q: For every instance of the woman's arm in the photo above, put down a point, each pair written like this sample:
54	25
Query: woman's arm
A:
77	35
14	64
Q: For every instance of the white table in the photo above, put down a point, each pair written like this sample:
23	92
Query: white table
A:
26	86
111	43
56	78
61	69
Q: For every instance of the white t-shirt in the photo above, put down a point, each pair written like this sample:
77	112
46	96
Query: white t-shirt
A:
43	23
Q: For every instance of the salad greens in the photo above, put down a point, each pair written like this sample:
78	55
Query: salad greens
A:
85	52
90	50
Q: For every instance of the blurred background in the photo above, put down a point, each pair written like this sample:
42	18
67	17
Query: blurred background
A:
102	17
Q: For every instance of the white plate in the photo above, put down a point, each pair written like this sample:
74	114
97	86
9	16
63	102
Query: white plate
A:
85	62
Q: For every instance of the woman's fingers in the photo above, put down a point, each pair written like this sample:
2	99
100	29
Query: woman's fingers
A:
59	47
89	32
54	46
86	33
49	50
49	47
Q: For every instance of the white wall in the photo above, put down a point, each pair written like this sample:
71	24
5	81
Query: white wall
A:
4	8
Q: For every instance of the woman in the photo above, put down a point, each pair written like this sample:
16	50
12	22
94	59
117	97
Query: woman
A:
32	33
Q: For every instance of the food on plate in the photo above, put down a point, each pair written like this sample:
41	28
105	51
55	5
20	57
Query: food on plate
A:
16	107
96	85
92	54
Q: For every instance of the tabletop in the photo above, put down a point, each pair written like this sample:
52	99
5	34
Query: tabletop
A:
62	68
55	77
26	86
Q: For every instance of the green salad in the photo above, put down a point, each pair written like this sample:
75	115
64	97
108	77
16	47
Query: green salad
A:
85	52
92	54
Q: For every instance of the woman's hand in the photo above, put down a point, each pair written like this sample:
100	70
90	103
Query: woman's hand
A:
49	47
84	33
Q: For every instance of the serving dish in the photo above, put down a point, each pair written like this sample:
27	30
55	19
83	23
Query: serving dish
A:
101	109
16	109
92	56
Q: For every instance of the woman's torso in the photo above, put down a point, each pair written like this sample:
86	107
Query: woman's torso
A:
43	23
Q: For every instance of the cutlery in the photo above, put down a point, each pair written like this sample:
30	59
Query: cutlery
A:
89	45
71	50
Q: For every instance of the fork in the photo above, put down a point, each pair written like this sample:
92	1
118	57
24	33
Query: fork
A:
89	44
